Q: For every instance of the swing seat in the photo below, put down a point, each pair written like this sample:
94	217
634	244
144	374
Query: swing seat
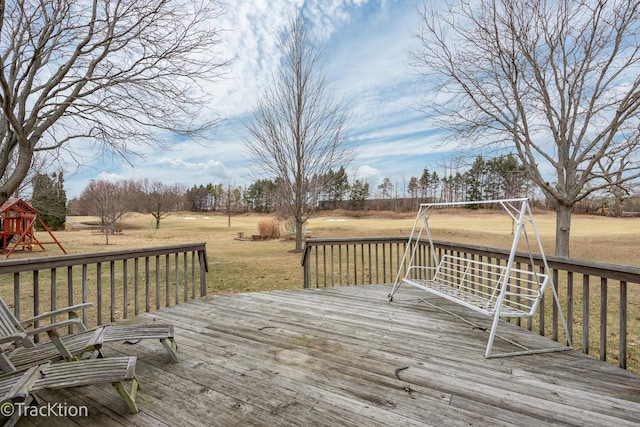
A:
482	286
493	289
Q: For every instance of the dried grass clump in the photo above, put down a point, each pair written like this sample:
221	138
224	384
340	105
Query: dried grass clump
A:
269	228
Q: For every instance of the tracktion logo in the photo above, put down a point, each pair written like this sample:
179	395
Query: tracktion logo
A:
51	409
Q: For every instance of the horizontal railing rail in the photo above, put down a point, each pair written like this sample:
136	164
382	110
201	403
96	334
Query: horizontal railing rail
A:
120	284
598	299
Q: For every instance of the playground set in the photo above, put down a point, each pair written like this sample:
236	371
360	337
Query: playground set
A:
17	228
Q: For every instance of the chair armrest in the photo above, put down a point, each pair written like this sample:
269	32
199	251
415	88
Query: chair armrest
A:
49	314
57	325
18	336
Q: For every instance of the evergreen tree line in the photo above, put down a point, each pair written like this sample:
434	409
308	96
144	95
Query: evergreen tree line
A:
265	195
486	179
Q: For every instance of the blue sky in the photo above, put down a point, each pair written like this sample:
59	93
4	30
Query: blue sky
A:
366	63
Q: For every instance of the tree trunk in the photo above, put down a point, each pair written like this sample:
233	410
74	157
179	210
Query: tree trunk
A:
563	229
299	225
618	204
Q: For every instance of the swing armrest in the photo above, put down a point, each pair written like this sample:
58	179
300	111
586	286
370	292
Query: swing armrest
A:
432	271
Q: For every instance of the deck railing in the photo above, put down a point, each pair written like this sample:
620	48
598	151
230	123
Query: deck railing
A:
121	284
600	301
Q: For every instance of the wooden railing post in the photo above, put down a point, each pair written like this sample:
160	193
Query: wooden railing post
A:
91	272
204	268
306	280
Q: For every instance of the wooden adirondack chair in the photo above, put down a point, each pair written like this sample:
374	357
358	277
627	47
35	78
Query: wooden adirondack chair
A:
72	345
18	388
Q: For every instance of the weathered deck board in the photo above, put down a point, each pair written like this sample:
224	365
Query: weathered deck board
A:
346	356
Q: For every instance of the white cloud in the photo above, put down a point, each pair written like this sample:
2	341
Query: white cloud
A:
109	176
366	64
251	38
365	173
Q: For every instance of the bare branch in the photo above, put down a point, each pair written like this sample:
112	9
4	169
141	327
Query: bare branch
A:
112	71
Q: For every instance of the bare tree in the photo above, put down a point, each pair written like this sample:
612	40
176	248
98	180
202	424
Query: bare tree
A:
386	187
297	130
232	201
619	193
106	200
156	198
557	80
106	72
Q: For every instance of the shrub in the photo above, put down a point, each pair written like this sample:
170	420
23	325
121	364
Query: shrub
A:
269	228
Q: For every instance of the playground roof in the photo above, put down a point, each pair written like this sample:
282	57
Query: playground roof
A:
17	205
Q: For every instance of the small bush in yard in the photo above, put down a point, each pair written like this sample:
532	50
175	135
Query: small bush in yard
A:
269	228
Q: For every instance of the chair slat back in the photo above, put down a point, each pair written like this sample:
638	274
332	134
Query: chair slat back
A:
9	324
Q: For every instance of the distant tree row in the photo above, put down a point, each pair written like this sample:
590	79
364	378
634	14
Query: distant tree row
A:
501	177
213	198
111	201
494	178
266	195
485	179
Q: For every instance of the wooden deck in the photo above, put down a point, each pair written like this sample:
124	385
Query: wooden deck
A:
347	357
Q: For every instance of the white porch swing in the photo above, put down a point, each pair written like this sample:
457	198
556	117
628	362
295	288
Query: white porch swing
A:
492	289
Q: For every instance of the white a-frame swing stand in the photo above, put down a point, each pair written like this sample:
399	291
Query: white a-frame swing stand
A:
494	289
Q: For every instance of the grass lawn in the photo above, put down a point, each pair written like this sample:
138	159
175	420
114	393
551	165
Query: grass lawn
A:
244	265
